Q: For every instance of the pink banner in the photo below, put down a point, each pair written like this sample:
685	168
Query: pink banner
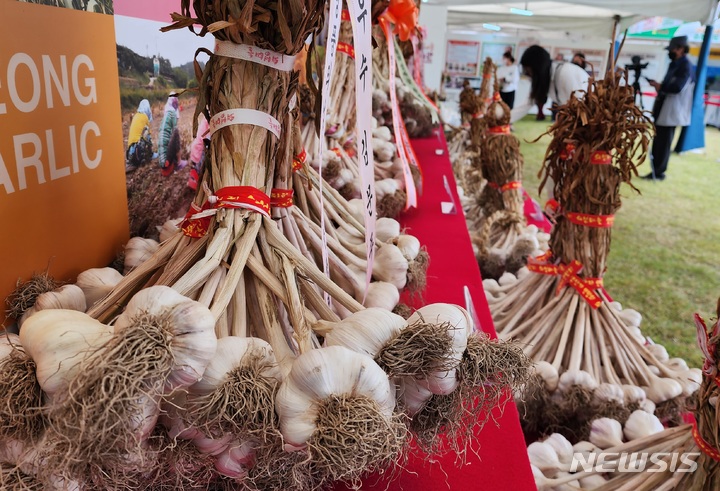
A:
158	10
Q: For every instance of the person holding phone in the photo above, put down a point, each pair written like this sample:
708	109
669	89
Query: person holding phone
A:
673	105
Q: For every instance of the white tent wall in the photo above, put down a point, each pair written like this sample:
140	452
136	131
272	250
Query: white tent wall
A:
434	19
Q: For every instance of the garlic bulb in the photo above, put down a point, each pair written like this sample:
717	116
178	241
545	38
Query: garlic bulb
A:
578	378
610	393
630	317
491	286
58	341
677	364
659	352
320	375
563	448
549	375
385	187
408	245
585	448
383	133
97	282
382	295
413	395
191	325
648	406
641	424
633	394
137	251
69	297
544	457
391	266
691	381
386	229
357	209
606	433
507	278
592	481
366	331
616	306
459	326
235	460
169	228
663	389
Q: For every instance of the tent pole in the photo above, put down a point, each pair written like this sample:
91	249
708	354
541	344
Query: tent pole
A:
693	137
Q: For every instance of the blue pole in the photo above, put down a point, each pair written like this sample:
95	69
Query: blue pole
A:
693	137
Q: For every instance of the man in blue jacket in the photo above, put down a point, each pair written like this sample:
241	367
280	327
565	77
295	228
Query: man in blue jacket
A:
680	73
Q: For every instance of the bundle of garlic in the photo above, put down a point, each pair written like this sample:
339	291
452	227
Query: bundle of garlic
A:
559	310
105	384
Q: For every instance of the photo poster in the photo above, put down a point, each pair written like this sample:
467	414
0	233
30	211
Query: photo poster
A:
496	51
62	187
462	58
153	65
596	58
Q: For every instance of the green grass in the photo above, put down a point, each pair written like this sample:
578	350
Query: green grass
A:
665	254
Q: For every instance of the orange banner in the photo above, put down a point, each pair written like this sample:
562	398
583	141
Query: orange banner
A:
62	184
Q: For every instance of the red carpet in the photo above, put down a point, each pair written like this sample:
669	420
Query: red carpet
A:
502	464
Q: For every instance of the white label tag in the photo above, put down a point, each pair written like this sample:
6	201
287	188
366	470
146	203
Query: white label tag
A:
360	17
257	55
245	116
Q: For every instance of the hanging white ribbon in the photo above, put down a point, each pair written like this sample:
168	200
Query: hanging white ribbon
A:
361	19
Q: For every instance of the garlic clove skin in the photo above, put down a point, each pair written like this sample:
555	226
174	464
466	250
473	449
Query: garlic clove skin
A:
630	317
507	279
212	446
137	251
232	461
387	229
192	326
659	352
409	246
610	393
169	228
616	306
663	389
592	481
321	373
58	341
357	209
580	378
382	295
549	375
648	406
633	394
563	448
677	364
366	331
68	297
413	395
458	319
97	282
230	354
606	433
691	381
641	424
544	457
391	266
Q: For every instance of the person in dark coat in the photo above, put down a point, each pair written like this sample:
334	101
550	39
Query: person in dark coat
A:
679	73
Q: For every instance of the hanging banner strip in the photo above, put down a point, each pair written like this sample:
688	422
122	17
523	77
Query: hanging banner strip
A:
197	221
594	221
362	39
245	116
347	49
281	198
279	61
601	157
331	48
417	61
398	129
410	83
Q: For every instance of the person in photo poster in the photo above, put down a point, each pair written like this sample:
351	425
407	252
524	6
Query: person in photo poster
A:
169	138
139	151
673	105
509	76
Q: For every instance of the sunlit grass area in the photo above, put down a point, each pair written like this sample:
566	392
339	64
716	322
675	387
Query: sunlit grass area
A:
665	254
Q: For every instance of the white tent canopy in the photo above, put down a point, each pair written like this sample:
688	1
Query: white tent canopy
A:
588	17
